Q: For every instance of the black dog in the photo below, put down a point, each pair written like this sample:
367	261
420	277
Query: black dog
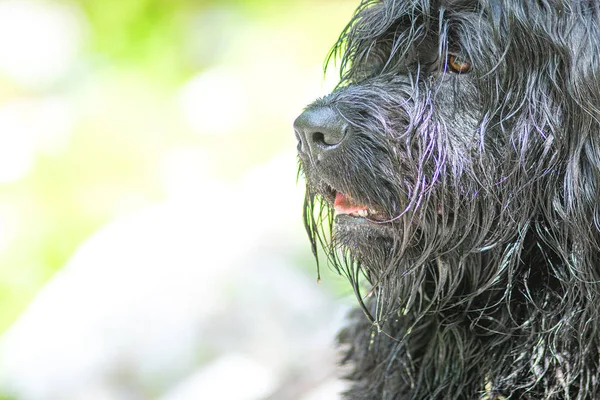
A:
456	168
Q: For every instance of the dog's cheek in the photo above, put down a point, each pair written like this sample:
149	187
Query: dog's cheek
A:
457	113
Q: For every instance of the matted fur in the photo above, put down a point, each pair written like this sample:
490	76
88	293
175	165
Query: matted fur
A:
484	280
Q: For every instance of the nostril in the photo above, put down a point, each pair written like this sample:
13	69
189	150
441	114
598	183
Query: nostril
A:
319	138
329	137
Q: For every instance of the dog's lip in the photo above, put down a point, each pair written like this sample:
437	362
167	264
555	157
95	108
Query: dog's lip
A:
345	205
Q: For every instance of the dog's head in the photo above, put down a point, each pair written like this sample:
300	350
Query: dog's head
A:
459	127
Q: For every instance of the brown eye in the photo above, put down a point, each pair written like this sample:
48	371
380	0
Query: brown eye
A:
458	65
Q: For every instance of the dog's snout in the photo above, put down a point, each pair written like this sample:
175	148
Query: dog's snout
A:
319	130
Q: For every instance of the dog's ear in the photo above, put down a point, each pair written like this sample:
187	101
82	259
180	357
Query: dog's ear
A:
549	103
578	200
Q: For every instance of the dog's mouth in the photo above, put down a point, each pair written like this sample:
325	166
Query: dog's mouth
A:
344	205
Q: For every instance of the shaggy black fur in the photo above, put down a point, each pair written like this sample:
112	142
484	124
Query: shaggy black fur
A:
471	131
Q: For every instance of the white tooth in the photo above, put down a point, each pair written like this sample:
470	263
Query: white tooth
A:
363	213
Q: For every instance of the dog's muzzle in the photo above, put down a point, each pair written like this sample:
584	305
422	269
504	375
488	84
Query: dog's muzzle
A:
320	131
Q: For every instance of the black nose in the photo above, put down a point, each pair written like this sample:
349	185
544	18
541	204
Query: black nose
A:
319	131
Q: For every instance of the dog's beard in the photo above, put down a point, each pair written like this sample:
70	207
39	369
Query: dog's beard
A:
385	255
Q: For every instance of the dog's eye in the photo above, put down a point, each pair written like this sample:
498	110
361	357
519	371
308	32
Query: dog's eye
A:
458	64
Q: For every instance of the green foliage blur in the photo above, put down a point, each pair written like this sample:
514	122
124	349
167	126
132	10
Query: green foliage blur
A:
119	113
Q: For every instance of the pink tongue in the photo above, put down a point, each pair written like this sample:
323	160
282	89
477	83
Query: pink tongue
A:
344	205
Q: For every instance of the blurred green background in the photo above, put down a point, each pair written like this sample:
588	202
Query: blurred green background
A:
96	95
110	106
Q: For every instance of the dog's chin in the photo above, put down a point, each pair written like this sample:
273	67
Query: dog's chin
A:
367	242
360	234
